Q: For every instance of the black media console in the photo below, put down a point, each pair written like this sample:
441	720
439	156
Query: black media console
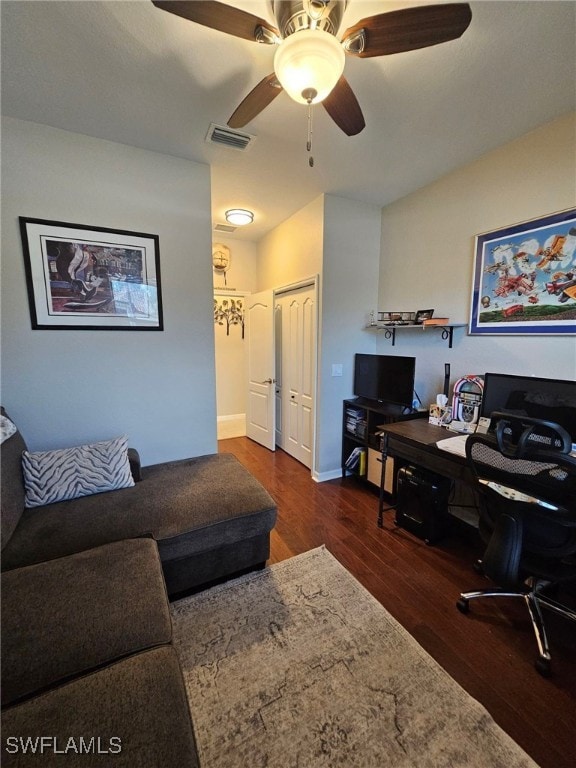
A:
362	420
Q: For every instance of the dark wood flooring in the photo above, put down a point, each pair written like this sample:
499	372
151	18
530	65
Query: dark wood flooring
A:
490	652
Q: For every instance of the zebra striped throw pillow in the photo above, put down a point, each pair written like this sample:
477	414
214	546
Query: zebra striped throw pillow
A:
70	473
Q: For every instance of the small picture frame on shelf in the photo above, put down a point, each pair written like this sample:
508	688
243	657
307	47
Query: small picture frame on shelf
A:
423	314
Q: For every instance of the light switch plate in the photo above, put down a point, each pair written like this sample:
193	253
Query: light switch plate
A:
336	369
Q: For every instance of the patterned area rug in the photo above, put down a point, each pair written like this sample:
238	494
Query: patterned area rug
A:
298	666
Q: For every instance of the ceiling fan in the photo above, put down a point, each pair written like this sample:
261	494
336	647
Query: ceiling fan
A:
309	60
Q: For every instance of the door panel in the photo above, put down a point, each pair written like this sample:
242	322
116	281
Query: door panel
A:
298	335
261	400
279	378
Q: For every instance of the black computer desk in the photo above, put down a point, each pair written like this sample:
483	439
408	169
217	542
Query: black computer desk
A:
414	442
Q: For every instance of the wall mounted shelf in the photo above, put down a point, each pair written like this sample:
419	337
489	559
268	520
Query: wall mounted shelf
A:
389	331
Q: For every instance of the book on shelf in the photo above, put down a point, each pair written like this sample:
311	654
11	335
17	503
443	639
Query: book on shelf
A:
357	460
436	321
356	421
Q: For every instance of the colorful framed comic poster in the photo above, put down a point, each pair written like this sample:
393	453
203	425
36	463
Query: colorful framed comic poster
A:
525	278
91	278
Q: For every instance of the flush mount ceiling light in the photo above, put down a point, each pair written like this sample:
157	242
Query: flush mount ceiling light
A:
239	216
308	65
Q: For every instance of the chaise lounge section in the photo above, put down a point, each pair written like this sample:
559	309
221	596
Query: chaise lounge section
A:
209	516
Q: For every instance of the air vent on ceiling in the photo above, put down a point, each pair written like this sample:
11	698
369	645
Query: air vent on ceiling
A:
224	228
228	137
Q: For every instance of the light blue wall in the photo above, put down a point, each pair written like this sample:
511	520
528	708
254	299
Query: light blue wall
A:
348	292
427	255
69	387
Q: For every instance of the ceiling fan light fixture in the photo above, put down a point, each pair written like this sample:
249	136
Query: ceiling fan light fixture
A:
309	60
239	216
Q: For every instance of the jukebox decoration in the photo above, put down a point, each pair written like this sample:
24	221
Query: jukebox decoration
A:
467	398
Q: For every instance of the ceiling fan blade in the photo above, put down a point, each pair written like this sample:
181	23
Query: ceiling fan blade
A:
258	98
409	29
342	106
218	16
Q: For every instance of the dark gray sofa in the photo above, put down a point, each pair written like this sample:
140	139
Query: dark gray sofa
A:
209	516
87	660
88	665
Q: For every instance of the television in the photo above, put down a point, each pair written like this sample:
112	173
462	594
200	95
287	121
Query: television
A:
538	398
384	378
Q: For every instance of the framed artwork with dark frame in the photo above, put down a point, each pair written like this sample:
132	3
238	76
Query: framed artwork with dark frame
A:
525	278
81	277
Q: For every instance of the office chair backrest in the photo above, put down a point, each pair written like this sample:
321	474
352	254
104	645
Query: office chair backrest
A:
517	435
529	455
526	481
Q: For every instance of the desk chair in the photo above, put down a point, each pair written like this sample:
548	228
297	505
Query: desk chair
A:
526	487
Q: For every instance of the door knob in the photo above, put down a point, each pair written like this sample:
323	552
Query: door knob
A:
268	381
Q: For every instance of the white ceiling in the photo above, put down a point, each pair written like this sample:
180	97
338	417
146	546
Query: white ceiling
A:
131	73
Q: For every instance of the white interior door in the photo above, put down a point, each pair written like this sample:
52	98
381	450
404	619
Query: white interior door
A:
260	402
297	339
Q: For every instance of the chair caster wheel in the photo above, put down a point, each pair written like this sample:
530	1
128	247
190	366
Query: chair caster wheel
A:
478	568
463	605
543	666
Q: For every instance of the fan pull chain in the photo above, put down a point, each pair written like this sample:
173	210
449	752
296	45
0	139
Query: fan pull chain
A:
309	142
309	94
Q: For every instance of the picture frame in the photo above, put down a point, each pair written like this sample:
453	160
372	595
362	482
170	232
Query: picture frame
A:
87	278
525	278
423	314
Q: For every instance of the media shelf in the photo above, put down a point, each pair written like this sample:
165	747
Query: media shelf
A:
361	439
447	331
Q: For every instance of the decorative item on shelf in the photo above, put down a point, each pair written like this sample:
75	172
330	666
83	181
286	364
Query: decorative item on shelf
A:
396	318
221	258
436	321
229	311
422	315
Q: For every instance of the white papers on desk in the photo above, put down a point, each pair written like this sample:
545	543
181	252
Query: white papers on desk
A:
455	445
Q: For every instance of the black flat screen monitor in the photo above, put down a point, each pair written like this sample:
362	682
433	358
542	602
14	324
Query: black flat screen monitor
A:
384	378
548	399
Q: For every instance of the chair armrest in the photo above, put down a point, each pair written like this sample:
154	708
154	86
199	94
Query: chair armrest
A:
135	468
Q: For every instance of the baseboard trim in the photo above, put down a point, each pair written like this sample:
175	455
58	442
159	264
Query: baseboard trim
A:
231	426
321	477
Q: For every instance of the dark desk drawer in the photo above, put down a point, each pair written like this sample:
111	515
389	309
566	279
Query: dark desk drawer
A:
431	458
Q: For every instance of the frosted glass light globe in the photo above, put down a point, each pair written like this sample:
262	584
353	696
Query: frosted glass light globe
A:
309	59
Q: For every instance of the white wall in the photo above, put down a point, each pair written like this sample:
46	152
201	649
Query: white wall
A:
68	387
339	240
231	391
428	251
349	292
293	250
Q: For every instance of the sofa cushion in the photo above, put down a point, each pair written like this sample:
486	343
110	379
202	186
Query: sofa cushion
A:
12	487
136	709
7	428
187	506
69	473
75	613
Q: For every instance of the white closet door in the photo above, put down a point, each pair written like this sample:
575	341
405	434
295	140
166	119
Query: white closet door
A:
297	339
